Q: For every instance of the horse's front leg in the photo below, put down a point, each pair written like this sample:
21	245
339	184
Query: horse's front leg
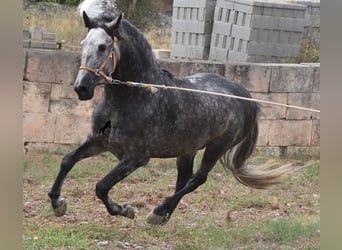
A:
126	166
87	149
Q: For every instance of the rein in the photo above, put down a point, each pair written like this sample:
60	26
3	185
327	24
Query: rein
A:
99	71
154	87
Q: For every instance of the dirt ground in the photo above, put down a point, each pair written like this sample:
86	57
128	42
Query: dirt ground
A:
221	214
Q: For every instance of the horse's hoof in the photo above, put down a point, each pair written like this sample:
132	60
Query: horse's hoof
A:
128	210
61	207
155	219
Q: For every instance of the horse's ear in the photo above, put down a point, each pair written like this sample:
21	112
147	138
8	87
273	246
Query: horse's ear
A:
87	21
114	25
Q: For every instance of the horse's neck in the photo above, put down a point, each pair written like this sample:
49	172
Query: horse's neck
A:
139	63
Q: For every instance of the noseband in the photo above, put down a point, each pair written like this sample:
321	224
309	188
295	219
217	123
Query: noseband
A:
99	71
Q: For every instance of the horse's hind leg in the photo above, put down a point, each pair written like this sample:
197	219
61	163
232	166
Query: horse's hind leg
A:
161	214
87	149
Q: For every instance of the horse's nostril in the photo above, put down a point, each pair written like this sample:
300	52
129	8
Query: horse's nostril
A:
81	90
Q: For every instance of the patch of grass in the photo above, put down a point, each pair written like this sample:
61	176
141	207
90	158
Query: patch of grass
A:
69	236
286	231
221	214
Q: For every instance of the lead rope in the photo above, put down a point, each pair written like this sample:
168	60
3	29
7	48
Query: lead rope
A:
154	88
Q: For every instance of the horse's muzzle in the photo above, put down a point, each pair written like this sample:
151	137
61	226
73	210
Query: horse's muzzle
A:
84	93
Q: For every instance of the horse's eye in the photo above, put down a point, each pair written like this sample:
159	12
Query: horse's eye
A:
102	47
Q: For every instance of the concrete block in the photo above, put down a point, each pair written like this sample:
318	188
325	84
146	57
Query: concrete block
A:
49	36
171	65
292	78
306	100
52	66
276	50
39	127
263	132
36	97
64	100
316	79
191	28
24	62
26	43
270	111
255	77
36	33
71	129
43	44
26	35
192	67
277	23
161	53
315	139
290	133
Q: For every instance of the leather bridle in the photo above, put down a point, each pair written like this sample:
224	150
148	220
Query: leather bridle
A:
99	71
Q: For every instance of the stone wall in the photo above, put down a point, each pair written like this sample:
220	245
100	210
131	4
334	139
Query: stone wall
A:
54	118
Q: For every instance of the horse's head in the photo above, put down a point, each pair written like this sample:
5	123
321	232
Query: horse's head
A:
99	55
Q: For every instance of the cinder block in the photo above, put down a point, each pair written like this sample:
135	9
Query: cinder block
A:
290	133
271	111
71	129
292	79
255	77
191	28
39	127
305	100
258	31
52	66
36	97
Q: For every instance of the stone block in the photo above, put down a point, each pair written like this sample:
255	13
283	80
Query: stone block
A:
39	127
292	78
52	66
263	132
24	61
316	79
161	53
64	100
290	133
71	129
36	33
43	44
171	65
271	111
255	77
315	140
192	67
305	100
36	97
49	36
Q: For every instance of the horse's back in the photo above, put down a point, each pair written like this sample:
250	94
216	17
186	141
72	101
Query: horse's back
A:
215	83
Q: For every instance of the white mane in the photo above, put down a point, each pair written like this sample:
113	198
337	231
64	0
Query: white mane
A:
95	7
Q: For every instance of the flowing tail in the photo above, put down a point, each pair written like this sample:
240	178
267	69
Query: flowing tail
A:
254	177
